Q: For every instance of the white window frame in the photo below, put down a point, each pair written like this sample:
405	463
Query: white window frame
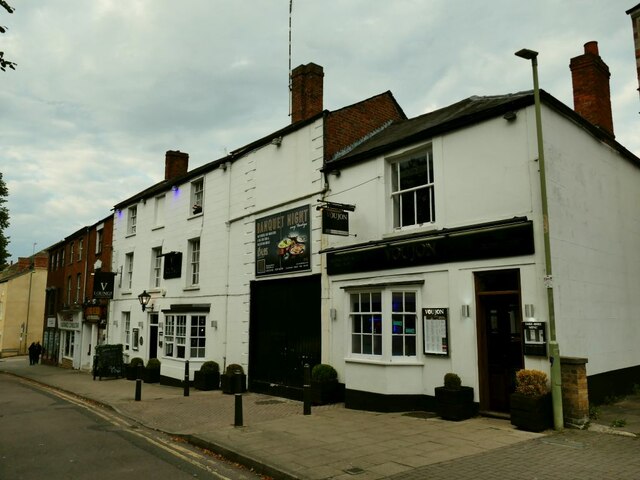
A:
126	327
158	211
78	287
129	270
185	336
132	220
412	194
197	196
80	248
99	239
194	263
71	248
369	332
69	290
156	267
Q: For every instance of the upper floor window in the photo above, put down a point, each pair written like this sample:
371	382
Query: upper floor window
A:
412	190
132	220
80	248
78	287
197	196
99	240
62	257
158	211
194	262
71	249
156	267
128	271
69	290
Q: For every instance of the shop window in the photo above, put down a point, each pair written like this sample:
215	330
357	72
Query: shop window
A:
384	323
177	336
412	190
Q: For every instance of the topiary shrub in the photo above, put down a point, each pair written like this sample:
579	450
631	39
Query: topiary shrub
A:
136	362
210	367
153	364
531	383
323	373
452	381
232	368
151	372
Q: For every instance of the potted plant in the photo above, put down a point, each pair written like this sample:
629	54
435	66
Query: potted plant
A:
208	377
453	400
152	371
324	385
531	402
131	370
231	383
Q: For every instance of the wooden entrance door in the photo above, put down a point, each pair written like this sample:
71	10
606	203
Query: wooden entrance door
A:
499	341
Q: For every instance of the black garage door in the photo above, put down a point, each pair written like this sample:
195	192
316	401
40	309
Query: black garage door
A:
284	334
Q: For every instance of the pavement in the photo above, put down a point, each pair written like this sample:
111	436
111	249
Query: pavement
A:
333	442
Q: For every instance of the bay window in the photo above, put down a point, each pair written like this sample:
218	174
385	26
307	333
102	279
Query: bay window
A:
183	330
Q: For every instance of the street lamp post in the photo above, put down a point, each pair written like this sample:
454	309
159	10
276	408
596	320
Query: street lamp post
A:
554	348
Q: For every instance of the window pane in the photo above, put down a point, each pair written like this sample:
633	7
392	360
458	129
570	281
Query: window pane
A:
376	302
355	344
357	324
377	324
365	300
396	325
413	173
410	345
410	324
366	344
355	302
424	205
396	302
396	345
407	209
409	302
377	345
367	325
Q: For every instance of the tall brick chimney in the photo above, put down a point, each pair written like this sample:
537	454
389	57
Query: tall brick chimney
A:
306	91
176	163
591	94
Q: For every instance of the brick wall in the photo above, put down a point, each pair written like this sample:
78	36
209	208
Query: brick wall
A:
575	391
346	126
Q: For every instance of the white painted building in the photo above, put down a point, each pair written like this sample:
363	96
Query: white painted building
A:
446	255
228	252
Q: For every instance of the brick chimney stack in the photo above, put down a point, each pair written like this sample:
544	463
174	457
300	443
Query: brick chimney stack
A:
306	91
591	93
176	164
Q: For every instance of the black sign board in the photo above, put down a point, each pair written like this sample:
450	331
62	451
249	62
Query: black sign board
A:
472	244
283	242
335	221
103	284
172	265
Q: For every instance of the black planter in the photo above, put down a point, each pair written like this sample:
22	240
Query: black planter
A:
131	373
151	375
206	380
455	405
324	393
232	384
532	414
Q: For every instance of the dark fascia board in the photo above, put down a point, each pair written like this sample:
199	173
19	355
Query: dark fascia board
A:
521	100
632	9
435	233
166	185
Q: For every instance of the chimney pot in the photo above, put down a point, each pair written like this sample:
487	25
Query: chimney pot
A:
176	164
306	91
591	91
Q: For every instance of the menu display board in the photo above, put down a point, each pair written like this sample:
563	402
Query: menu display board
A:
436	331
283	242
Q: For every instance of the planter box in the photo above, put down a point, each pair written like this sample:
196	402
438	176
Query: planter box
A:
455	405
229	383
532	414
131	373
323	393
151	375
206	381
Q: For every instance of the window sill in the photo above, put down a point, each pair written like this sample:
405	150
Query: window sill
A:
384	362
195	215
188	289
130	235
157	227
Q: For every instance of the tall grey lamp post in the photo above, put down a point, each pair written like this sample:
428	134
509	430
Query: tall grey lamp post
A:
554	348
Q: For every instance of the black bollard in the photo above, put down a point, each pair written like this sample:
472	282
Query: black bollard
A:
238	387
306	391
138	389
186	378
238	411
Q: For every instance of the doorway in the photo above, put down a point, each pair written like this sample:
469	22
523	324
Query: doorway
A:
153	335
499	325
284	334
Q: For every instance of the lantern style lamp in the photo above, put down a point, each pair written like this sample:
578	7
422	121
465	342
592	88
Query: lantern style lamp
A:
144	298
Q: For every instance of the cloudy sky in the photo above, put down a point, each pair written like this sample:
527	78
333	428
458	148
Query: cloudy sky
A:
104	87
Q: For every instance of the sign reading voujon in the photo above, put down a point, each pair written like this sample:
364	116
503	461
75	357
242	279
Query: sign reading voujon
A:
283	242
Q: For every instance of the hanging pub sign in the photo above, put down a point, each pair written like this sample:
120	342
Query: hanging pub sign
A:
335	221
435	331
103	284
283	242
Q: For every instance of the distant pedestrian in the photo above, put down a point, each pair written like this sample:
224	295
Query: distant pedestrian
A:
38	352
32	353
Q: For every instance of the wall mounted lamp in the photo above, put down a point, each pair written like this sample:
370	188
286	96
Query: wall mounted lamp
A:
144	298
466	311
528	310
